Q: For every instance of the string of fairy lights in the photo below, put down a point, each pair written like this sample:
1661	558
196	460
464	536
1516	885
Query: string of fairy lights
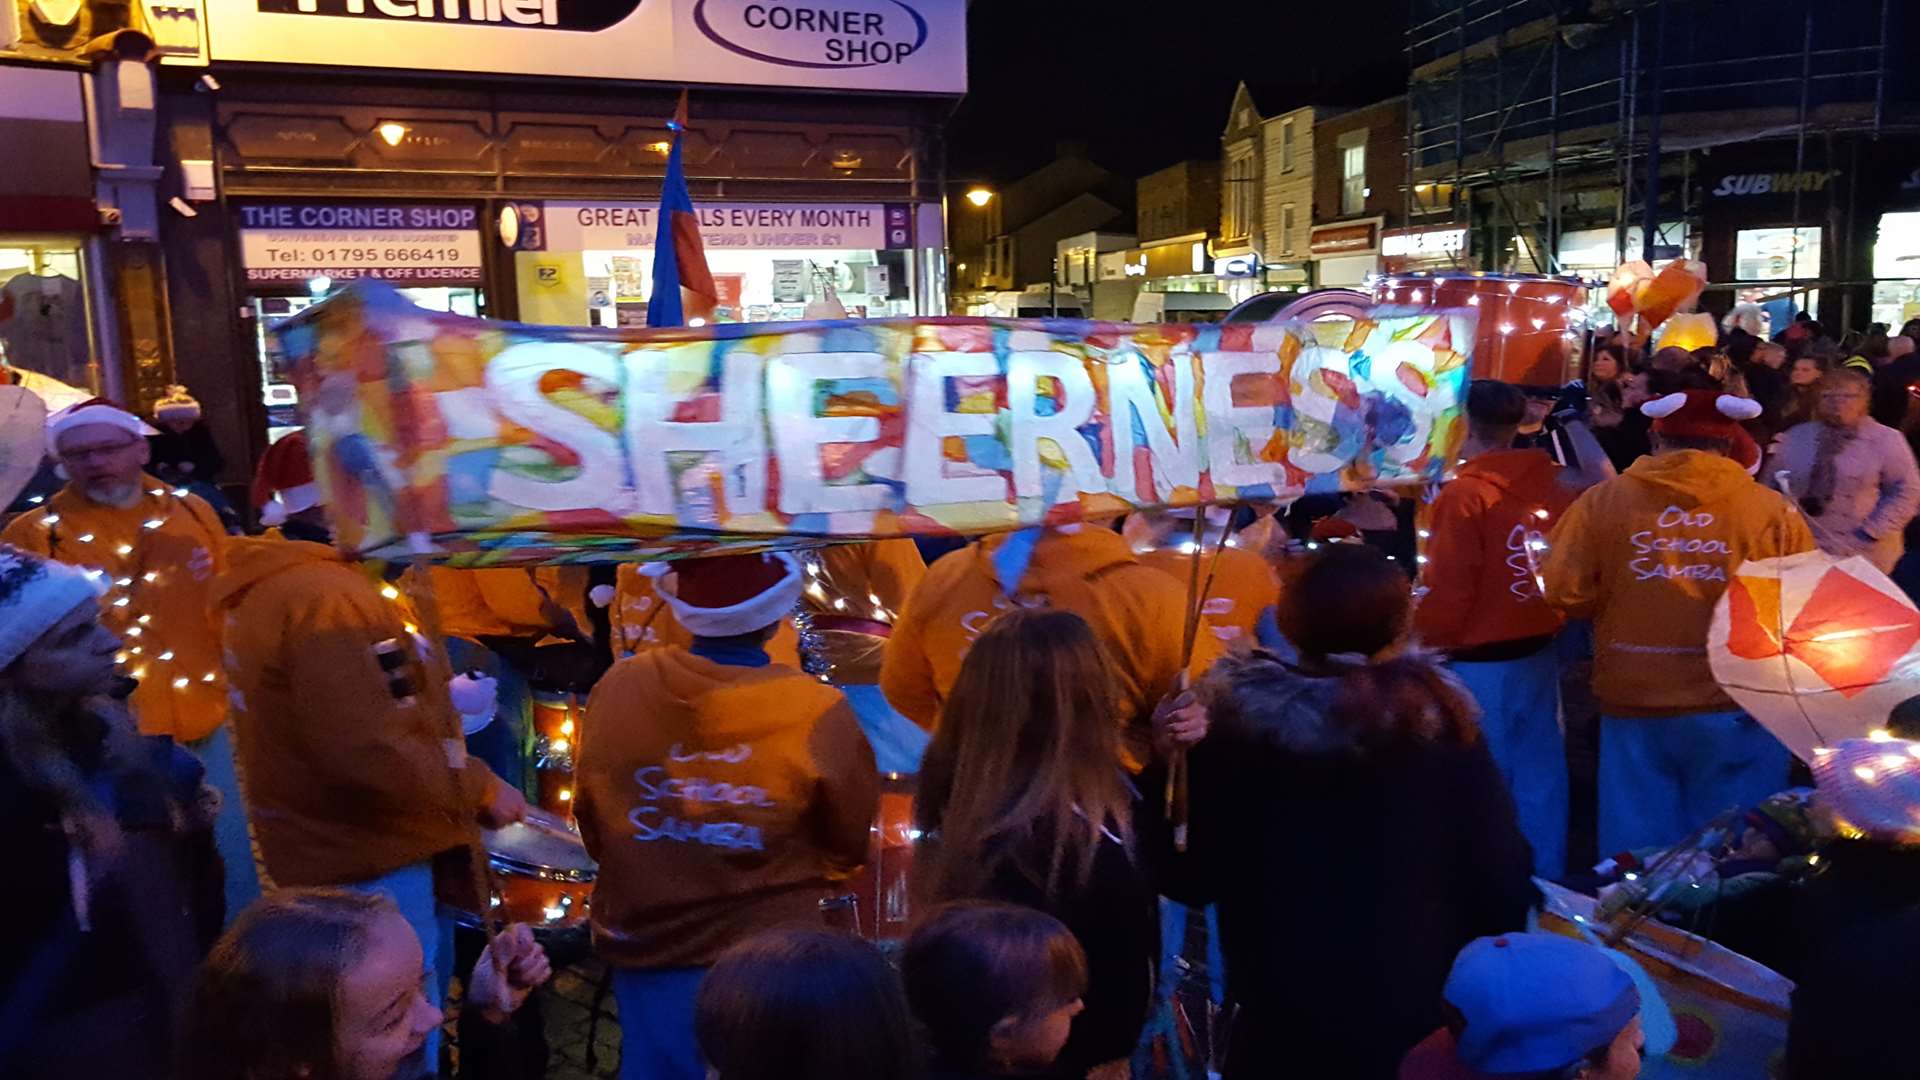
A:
123	585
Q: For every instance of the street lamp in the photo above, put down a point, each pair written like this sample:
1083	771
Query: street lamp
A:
979	196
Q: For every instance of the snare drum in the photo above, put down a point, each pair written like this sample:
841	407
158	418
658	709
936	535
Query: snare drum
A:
542	875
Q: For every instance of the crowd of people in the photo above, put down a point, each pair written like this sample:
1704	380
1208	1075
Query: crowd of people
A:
247	790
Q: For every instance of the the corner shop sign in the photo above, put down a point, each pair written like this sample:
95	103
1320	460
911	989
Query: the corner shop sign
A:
898	45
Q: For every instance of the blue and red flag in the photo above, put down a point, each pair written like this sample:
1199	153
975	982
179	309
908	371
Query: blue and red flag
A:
683	287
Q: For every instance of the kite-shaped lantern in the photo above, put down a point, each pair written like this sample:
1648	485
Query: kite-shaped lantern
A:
1817	649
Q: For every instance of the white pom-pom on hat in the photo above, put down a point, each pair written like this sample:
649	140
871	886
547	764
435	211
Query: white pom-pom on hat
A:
1738	408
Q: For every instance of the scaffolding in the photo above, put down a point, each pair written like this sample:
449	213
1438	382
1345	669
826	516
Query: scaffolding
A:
1507	96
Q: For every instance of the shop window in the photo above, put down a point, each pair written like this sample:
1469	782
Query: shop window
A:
43	313
1240	196
1896	270
1785	254
1353	176
1776	254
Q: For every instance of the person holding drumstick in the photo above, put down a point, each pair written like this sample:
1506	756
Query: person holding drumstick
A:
721	793
327	983
354	775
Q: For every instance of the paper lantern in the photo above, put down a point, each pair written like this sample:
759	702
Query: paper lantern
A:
1817	649
1689	331
1675	288
1625	285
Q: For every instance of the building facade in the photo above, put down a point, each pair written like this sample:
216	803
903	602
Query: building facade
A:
491	160
1359	160
1008	243
1287	196
1180	199
1566	140
82	290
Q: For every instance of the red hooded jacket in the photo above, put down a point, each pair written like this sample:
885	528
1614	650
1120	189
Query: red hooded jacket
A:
1481	575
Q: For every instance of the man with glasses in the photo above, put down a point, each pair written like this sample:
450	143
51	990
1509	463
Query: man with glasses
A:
155	551
1854	477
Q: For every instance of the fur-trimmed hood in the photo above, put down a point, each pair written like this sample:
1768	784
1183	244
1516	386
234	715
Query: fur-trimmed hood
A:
1347	706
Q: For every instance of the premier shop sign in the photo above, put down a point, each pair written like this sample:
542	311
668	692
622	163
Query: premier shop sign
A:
914	46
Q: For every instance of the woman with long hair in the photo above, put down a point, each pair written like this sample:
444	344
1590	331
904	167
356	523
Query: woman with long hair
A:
1610	414
1352	826
115	888
804	1004
1803	390
328	984
1024	798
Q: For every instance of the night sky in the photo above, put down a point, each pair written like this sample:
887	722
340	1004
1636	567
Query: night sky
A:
1147	83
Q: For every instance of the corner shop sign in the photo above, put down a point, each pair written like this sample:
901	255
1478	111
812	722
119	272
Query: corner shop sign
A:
914	46
404	243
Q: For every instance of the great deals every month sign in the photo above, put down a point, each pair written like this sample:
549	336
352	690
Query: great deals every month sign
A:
478	442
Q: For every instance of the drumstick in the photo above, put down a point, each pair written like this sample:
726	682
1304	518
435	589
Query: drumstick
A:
1177	778
427	605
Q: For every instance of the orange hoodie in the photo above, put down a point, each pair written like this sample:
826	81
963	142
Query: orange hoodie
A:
719	800
172	640
1137	612
1646	556
1478	574
348	772
1243	589
507	601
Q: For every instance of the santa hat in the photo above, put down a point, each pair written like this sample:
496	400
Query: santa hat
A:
1334	530
1707	414
729	595
91	412
283	483
1870	788
35	594
177	405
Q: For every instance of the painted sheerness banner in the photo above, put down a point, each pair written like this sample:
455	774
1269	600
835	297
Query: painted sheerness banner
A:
487	441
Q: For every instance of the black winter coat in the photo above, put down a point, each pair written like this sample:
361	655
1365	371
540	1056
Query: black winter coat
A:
102	999
1347	879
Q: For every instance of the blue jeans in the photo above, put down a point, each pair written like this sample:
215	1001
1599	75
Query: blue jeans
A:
656	1023
411	889
1663	777
230	835
1520	716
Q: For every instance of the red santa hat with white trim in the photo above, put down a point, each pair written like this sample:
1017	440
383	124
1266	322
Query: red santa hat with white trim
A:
90	413
283	483
730	595
1708	414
